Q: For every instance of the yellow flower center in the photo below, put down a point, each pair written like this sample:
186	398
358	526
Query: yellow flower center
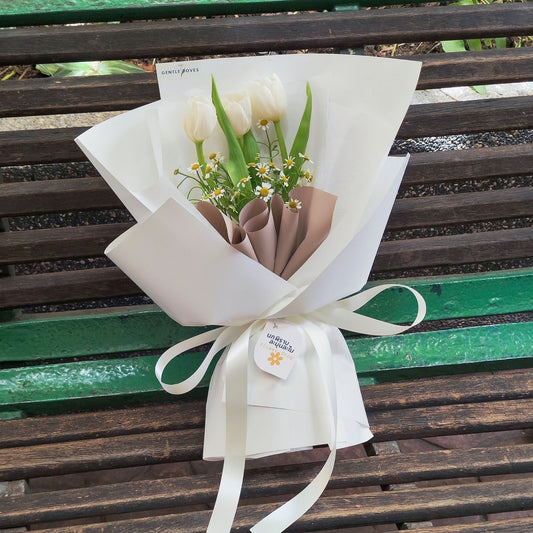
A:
251	164
265	191
196	166
293	204
217	192
263	122
261	170
213	156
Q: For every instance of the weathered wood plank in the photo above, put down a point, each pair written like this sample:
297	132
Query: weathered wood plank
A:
516	525
255	34
475	68
52	196
427	120
445	250
201	489
186	444
431	211
448	118
475	163
127	91
58	243
410	505
49	196
90	241
455	249
447	390
96	454
66	286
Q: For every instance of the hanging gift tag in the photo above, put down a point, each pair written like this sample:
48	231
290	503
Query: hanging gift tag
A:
279	345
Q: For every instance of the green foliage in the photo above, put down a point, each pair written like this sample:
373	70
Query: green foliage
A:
464	45
87	68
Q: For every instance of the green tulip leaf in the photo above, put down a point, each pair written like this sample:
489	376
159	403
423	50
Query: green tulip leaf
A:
302	135
235	165
87	68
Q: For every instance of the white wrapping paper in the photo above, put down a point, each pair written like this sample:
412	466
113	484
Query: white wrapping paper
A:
197	278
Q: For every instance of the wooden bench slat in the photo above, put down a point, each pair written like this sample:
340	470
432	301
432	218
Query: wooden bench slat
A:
448	118
90	241
127	91
461	208
64	286
92	193
75	285
475	68
474	163
27	147
516	525
455	249
349	510
256	34
52	196
424	120
201	489
446	390
58	243
95	454
186	444
77	94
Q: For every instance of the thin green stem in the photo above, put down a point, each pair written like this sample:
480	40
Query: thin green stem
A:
281	140
200	153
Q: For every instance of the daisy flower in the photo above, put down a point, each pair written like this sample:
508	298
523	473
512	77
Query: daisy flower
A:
217	193
284	179
195	167
262	170
243	181
289	162
264	191
293	205
263	124
305	157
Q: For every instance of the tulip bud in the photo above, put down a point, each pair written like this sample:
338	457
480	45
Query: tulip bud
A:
238	108
268	97
200	118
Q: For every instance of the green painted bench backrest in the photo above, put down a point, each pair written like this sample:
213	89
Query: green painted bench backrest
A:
74	378
29	12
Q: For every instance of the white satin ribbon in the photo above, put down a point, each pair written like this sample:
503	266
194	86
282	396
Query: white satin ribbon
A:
235	340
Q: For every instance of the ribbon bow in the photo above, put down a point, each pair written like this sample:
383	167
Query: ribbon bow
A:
235	340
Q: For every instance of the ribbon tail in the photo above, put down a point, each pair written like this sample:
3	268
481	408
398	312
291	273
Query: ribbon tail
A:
341	314
236	427
289	512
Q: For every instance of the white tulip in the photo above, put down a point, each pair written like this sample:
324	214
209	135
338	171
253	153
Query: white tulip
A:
238	108
269	101
200	118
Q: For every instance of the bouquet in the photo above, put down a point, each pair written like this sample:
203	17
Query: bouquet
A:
237	227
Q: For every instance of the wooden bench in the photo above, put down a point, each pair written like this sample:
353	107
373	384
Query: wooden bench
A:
89	442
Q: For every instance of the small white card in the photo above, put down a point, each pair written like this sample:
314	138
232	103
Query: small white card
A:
279	344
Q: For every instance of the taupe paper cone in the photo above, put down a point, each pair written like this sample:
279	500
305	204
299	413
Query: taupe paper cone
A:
280	239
